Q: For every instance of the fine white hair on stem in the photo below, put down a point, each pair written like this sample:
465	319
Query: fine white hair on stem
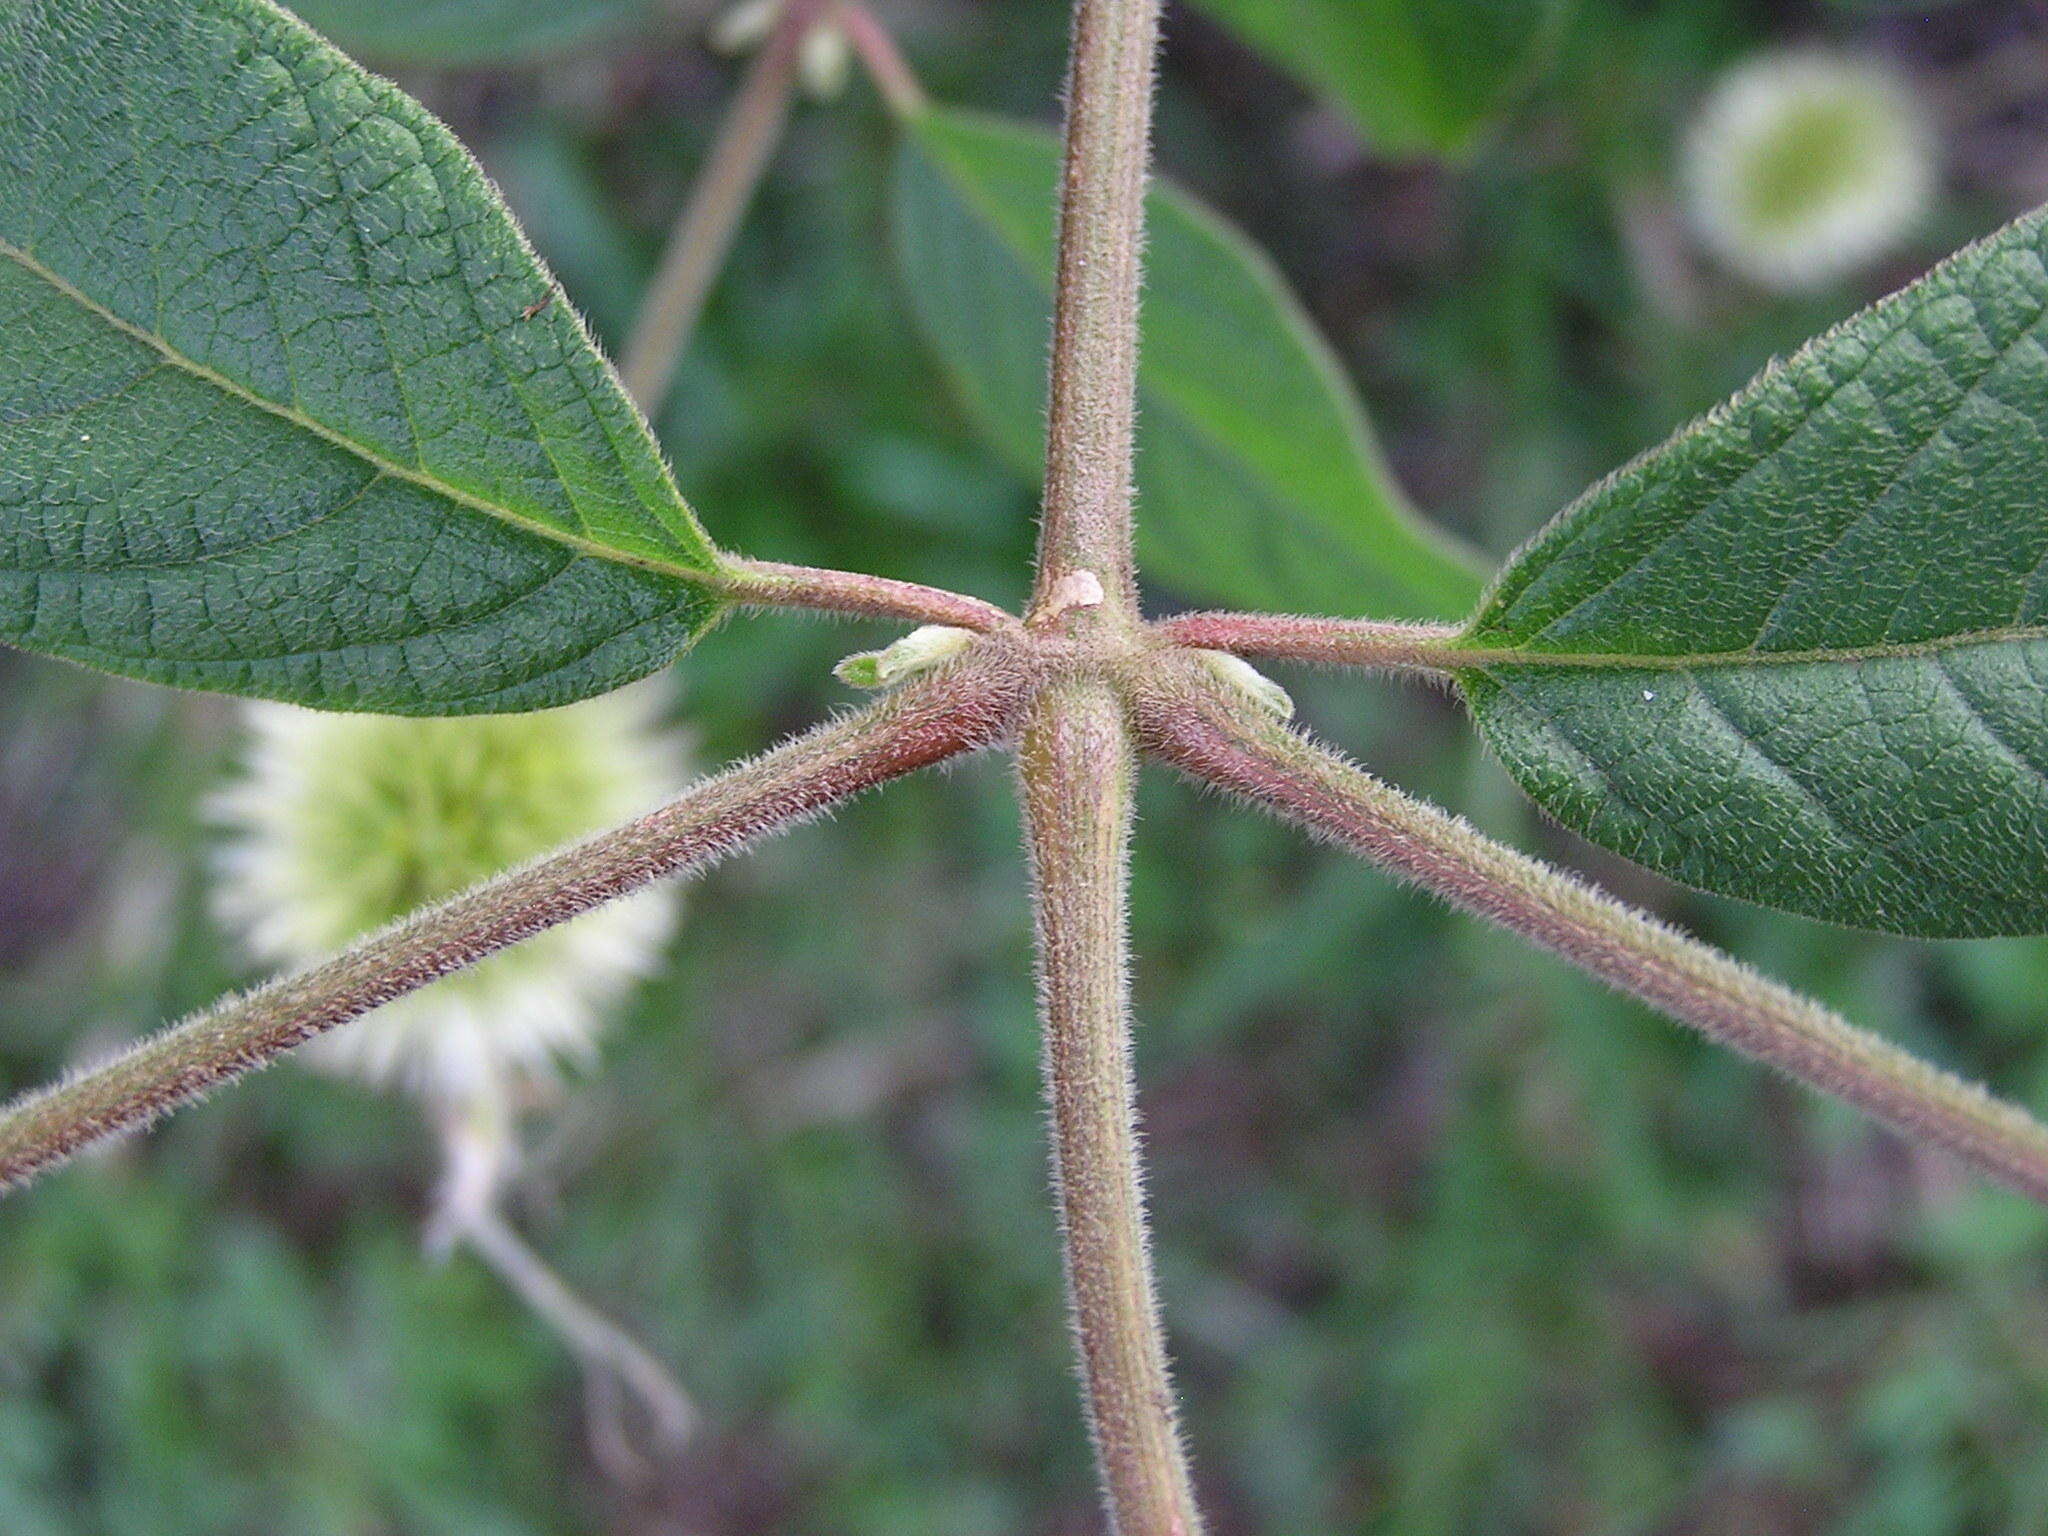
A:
968	705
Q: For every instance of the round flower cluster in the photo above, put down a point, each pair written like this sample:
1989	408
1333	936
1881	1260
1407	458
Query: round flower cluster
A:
1803	166
341	824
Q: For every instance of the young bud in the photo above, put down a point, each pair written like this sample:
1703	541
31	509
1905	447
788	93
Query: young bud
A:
824	60
919	651
1240	676
743	27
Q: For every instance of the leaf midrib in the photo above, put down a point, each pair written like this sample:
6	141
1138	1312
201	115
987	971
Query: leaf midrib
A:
1480	658
383	464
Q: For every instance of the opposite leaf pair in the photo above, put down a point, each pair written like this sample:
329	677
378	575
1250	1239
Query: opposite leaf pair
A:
287	409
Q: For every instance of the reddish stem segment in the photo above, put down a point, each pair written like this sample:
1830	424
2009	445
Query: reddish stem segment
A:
1187	722
1075	765
704	232
769	584
1336	642
880	57
972	704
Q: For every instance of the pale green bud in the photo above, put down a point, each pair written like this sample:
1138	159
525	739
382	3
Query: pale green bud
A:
919	651
743	27
824	59
1240	676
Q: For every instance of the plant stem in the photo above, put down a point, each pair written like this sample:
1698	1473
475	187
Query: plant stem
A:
1190	723
972	703
770	584
880	57
1084	537
1076	768
1336	642
705	229
601	1346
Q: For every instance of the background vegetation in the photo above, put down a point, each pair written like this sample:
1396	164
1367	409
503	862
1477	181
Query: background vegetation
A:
1451	1240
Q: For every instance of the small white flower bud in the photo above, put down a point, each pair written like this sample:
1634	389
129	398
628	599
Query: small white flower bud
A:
743	27
1239	675
825	60
919	651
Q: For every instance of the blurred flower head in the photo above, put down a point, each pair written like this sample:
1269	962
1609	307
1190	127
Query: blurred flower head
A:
341	824
1803	166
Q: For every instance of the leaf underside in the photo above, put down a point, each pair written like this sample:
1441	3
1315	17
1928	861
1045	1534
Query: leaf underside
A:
1799	654
1259	484
287	406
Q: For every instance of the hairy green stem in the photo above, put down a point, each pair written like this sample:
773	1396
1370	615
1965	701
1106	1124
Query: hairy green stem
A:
1084	537
971	704
1076	767
1190	723
711	217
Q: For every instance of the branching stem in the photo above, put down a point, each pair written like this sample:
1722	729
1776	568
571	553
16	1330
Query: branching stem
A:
1189	723
1075	763
711	217
971	704
1333	642
1076	767
770	584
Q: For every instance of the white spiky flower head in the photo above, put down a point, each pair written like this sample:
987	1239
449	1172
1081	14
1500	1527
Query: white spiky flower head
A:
1803	166
341	824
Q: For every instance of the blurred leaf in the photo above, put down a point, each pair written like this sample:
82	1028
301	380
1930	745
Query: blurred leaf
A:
287	406
1799	654
1417	76
1259	484
467	33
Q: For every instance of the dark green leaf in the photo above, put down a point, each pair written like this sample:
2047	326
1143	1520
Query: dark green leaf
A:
467	33
1799	654
287	406
1259	484
1417	76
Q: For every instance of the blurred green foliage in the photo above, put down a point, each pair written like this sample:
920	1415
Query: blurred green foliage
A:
1451	1240
1417	76
1262	485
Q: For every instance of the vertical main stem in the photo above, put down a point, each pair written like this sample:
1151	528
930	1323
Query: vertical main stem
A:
1077	765
1086	527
